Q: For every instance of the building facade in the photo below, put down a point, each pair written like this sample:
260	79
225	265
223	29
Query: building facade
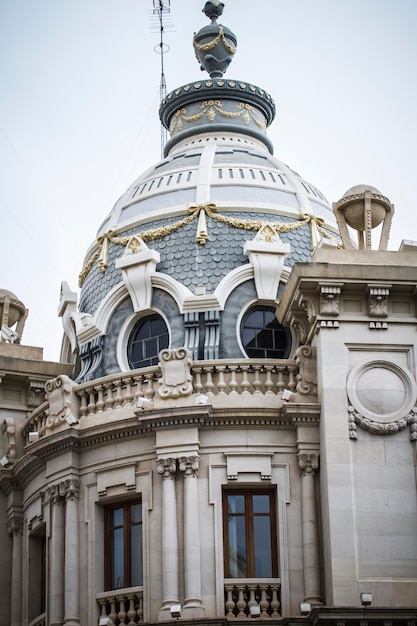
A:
230	433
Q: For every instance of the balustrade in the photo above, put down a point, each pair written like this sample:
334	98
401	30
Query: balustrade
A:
39	621
213	378
124	606
246	598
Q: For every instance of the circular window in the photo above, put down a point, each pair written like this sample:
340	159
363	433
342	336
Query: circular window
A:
263	337
149	336
381	391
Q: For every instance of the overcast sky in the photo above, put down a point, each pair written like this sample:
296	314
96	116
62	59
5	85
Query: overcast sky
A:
79	115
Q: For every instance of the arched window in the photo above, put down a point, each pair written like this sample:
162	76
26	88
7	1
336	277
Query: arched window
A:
149	336
263	337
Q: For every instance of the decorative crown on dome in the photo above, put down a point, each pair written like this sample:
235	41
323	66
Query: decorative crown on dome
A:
214	45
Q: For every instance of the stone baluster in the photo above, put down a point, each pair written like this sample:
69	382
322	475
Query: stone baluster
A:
170	568
192	557
308	463
72	587
15	529
56	555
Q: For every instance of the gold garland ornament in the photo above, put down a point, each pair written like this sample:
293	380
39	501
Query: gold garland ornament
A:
211	108
199	211
206	47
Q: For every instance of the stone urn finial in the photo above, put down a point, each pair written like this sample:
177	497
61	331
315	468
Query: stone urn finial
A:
214	45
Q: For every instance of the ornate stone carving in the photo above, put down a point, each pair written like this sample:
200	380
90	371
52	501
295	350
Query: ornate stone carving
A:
378	428
176	377
189	465
267	253
308	463
330	299
72	489
8	431
305	359
63	402
15	524
137	265
378	301
167	467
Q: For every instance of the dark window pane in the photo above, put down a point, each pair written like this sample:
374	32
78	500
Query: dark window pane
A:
117	559
260	503
237	547
135	513
236	504
263	336
136	578
148	338
262	546
117	517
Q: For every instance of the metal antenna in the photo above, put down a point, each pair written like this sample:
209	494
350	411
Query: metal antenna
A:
158	20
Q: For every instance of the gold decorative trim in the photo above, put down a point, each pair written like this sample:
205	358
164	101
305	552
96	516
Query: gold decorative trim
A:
206	47
211	108
196	211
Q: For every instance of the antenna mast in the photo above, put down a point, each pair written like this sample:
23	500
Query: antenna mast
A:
161	8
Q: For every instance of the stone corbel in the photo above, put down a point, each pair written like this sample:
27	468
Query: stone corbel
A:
305	359
8	429
137	266
266	254
330	298
378	300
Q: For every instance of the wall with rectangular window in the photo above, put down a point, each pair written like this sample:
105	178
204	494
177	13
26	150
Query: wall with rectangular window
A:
250	533
123	545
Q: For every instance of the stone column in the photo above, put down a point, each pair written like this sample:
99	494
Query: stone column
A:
15	528
72	575
193	607
56	556
308	463
170	569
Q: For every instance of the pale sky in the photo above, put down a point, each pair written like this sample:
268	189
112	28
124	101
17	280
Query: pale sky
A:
79	115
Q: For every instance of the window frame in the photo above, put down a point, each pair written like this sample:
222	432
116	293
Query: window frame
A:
252	308
127	525
248	493
137	324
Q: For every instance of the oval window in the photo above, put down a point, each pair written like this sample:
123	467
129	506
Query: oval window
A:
149	336
263	337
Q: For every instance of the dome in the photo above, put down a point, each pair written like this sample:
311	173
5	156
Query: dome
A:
195	215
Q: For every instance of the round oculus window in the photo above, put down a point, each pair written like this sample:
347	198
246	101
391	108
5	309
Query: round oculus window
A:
149	336
263	337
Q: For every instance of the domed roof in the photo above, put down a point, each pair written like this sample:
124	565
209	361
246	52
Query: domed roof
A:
218	159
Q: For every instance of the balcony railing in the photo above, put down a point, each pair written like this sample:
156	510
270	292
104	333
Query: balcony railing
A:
39	621
247	378
122	606
255	597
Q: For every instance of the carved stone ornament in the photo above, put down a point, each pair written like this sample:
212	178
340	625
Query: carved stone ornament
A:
378	301
308	463
8	431
305	359
382	398
189	465
63	402
330	299
167	467
137	265
267	253
176	378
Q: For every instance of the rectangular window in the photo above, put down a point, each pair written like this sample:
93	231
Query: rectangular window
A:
124	558
250	534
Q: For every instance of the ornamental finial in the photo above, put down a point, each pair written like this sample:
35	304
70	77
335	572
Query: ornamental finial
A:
214	45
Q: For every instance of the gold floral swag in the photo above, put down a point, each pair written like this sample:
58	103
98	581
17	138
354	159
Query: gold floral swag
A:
197	211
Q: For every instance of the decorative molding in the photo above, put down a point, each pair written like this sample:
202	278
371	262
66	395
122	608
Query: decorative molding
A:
137	265
377	428
266	254
330	298
61	491
189	465
167	467
378	300
305	359
15	524
62	401
308	463
176	377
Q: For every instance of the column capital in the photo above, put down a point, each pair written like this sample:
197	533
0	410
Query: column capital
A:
15	524
167	467
189	465
72	489
308	463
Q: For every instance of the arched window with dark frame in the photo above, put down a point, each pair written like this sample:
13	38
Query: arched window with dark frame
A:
263	337
149	336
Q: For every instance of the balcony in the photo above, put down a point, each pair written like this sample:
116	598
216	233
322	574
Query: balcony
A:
122	606
251	383
247	598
